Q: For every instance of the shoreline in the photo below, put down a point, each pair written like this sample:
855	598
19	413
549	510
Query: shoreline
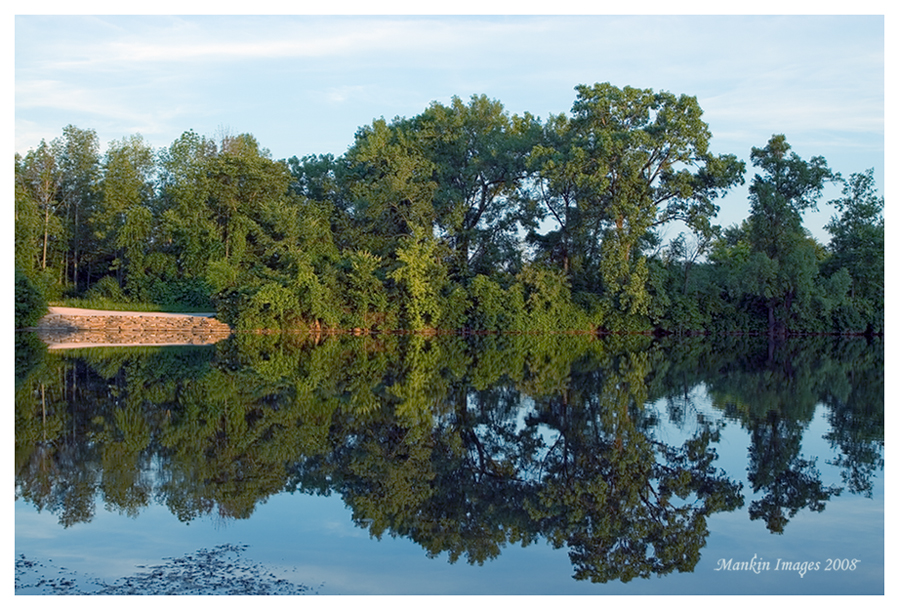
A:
65	328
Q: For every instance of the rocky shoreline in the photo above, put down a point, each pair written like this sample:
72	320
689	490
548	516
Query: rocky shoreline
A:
73	327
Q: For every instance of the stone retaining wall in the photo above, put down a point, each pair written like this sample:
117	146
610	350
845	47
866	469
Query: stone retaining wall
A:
144	329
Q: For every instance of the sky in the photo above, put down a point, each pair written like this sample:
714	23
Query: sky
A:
303	84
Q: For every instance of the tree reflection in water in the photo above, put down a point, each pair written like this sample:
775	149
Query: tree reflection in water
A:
461	444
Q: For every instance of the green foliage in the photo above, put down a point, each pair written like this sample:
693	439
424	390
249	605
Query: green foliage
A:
186	220
390	181
456	306
777	200
317	296
365	289
221	276
461	217
548	302
422	279
495	308
271	307
28	226
106	289
42	233
30	302
104	303
633	150
479	155
78	155
190	293
121	223
133	240
857	245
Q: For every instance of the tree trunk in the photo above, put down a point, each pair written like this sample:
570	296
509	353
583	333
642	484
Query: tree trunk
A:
46	231
75	228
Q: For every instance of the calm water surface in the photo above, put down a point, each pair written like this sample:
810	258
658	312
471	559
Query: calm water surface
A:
452	465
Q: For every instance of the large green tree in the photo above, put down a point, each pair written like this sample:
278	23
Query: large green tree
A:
479	154
189	232
782	252
557	188
228	222
120	221
29	223
639	159
244	180
390	182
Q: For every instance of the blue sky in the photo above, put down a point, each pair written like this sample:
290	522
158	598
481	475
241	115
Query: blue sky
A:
304	84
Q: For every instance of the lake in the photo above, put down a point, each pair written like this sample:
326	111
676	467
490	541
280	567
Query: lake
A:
498	464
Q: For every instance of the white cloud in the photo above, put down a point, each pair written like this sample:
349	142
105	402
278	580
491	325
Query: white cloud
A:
204	39
104	104
64	96
345	93
750	75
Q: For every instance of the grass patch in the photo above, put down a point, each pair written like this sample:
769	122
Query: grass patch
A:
108	304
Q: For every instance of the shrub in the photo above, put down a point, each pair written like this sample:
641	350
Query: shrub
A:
271	307
31	304
549	304
192	292
106	289
495	308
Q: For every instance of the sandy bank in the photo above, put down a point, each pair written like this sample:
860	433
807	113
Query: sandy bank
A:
63	311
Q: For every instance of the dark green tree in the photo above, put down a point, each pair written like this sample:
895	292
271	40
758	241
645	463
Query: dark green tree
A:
188	230
122	213
390	180
783	260
30	302
243	180
557	189
857	245
479	155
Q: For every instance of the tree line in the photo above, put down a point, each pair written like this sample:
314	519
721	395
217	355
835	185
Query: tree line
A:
462	217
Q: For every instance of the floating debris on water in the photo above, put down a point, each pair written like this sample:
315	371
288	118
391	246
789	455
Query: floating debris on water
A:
219	571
